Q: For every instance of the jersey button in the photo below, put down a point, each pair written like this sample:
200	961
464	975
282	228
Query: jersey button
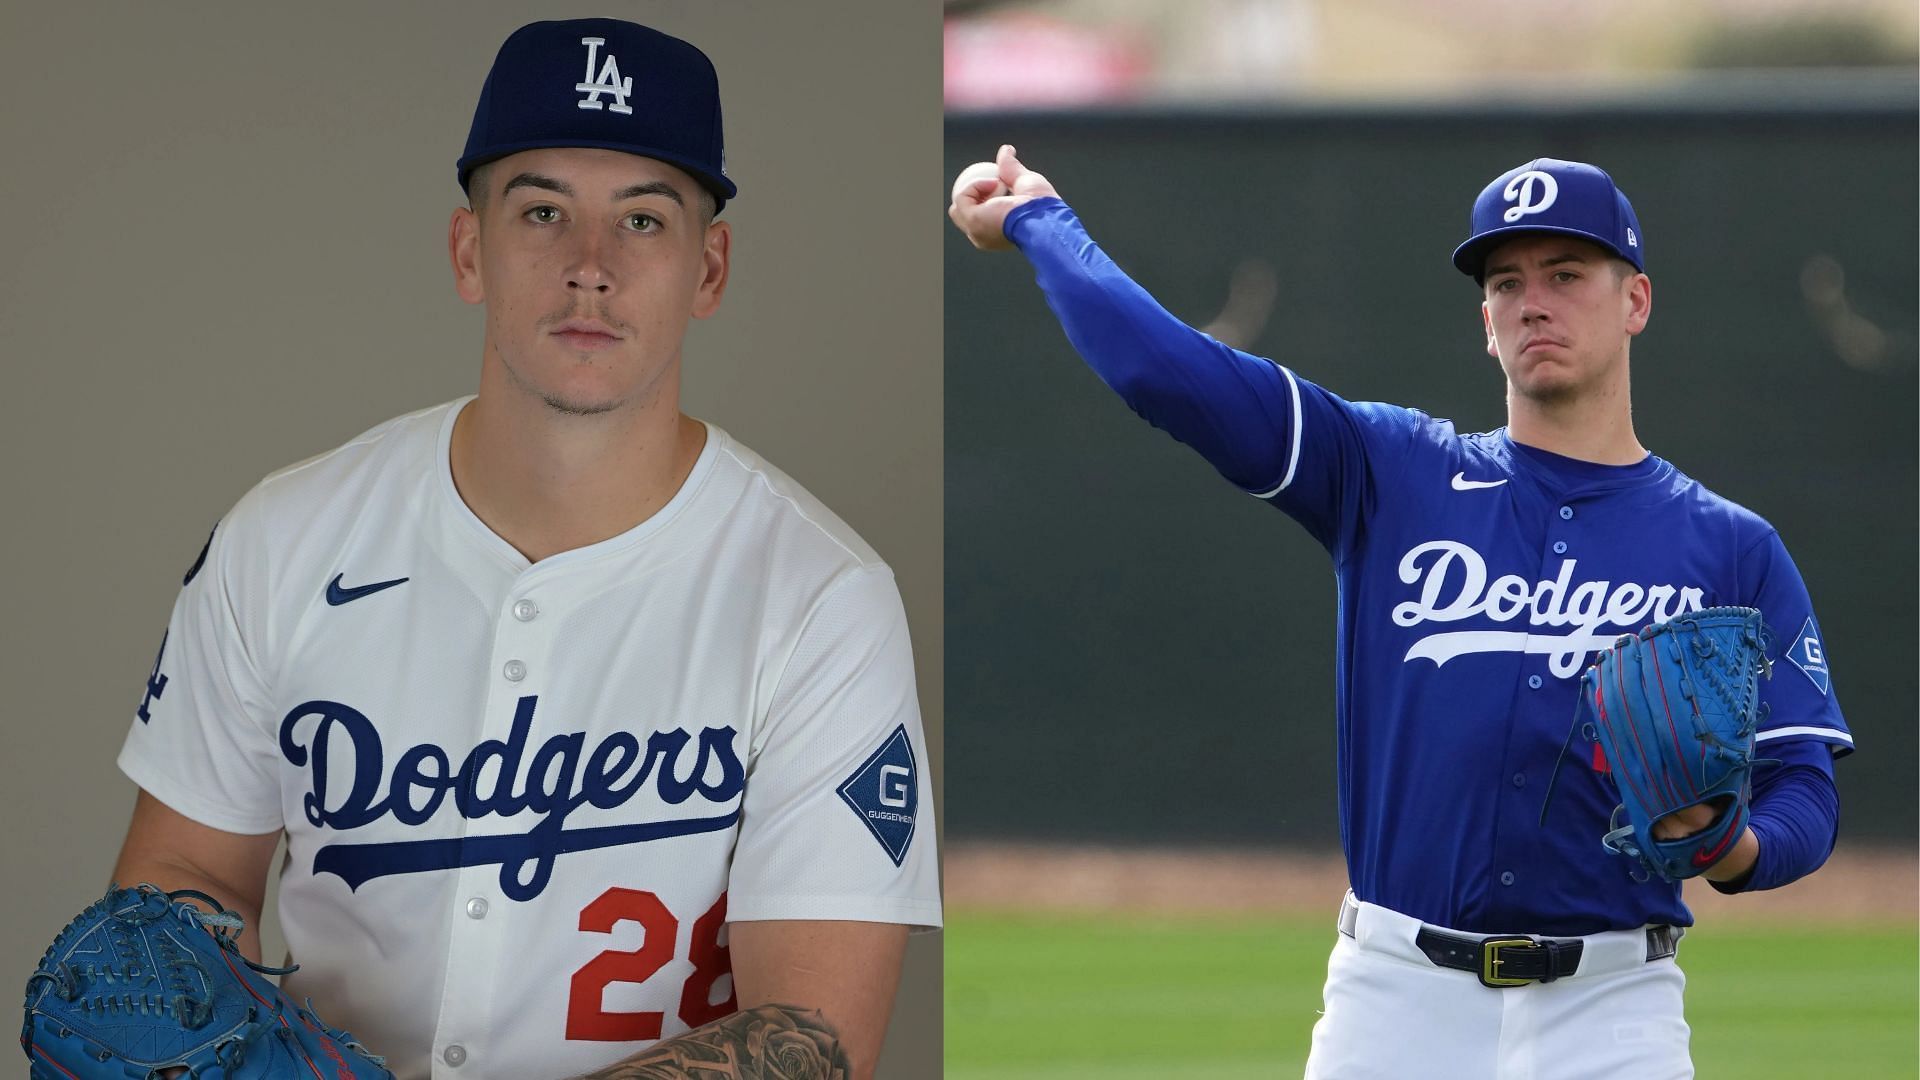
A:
1532	681
1506	878
525	610
1566	513
455	1055
1519	780
514	670
477	908
1559	547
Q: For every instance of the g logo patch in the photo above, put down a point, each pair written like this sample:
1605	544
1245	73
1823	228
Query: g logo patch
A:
1810	657
885	791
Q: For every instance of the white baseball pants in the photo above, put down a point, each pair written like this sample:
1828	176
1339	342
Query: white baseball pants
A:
1390	1013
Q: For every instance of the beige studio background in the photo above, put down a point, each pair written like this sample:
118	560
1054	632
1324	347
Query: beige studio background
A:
223	250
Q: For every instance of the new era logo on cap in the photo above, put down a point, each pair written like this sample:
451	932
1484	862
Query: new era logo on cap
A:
1553	196
606	84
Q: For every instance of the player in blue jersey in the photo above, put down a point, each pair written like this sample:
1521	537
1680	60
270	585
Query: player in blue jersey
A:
1478	574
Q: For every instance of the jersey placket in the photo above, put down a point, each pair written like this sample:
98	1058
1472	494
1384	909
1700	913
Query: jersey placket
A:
1523	781
483	924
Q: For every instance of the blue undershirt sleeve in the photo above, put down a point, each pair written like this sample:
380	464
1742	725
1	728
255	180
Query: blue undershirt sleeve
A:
1236	409
1795	815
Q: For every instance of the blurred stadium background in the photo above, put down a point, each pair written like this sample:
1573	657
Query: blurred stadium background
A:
1143	854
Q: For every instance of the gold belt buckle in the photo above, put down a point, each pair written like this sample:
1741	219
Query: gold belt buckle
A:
1490	962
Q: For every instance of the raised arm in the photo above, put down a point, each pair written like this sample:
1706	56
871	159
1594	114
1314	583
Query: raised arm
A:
1236	409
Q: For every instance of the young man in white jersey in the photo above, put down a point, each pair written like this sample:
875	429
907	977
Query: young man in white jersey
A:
593	736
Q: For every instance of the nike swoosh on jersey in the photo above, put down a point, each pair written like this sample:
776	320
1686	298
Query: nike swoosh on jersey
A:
1461	483
337	595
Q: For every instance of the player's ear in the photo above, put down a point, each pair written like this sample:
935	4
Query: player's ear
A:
1639	298
713	269
1486	322
463	250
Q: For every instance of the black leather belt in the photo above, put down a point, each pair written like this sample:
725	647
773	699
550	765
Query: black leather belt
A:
1501	962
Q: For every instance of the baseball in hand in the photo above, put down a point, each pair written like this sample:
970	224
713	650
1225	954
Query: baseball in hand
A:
986	191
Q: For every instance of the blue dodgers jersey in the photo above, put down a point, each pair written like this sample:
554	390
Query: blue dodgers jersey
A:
1476	579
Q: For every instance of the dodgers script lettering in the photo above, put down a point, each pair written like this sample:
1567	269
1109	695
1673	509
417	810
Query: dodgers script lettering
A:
1452	579
498	778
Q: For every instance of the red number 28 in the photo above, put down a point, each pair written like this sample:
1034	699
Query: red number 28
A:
587	1019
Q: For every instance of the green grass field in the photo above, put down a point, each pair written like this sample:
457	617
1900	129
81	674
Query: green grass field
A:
1219	998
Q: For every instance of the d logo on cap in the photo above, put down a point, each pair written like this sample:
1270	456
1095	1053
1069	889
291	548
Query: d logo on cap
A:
1548	195
1521	188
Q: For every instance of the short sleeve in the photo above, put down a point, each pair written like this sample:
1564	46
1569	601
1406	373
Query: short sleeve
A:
838	815
200	739
1800	696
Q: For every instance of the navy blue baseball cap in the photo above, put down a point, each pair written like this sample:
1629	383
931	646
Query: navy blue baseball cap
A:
607	84
1547	195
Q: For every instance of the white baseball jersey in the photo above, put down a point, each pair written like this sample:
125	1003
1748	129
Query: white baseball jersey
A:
522	801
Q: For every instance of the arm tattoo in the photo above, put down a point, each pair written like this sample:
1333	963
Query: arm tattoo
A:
771	1042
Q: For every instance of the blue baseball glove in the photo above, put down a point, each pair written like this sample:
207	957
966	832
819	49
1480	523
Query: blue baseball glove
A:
143	982
1674	709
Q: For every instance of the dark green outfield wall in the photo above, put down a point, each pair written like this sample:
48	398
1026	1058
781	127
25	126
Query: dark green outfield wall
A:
1135	651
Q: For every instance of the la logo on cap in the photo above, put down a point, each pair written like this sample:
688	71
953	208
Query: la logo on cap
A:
609	81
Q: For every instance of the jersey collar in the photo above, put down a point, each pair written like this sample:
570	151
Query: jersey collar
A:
1567	474
492	541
